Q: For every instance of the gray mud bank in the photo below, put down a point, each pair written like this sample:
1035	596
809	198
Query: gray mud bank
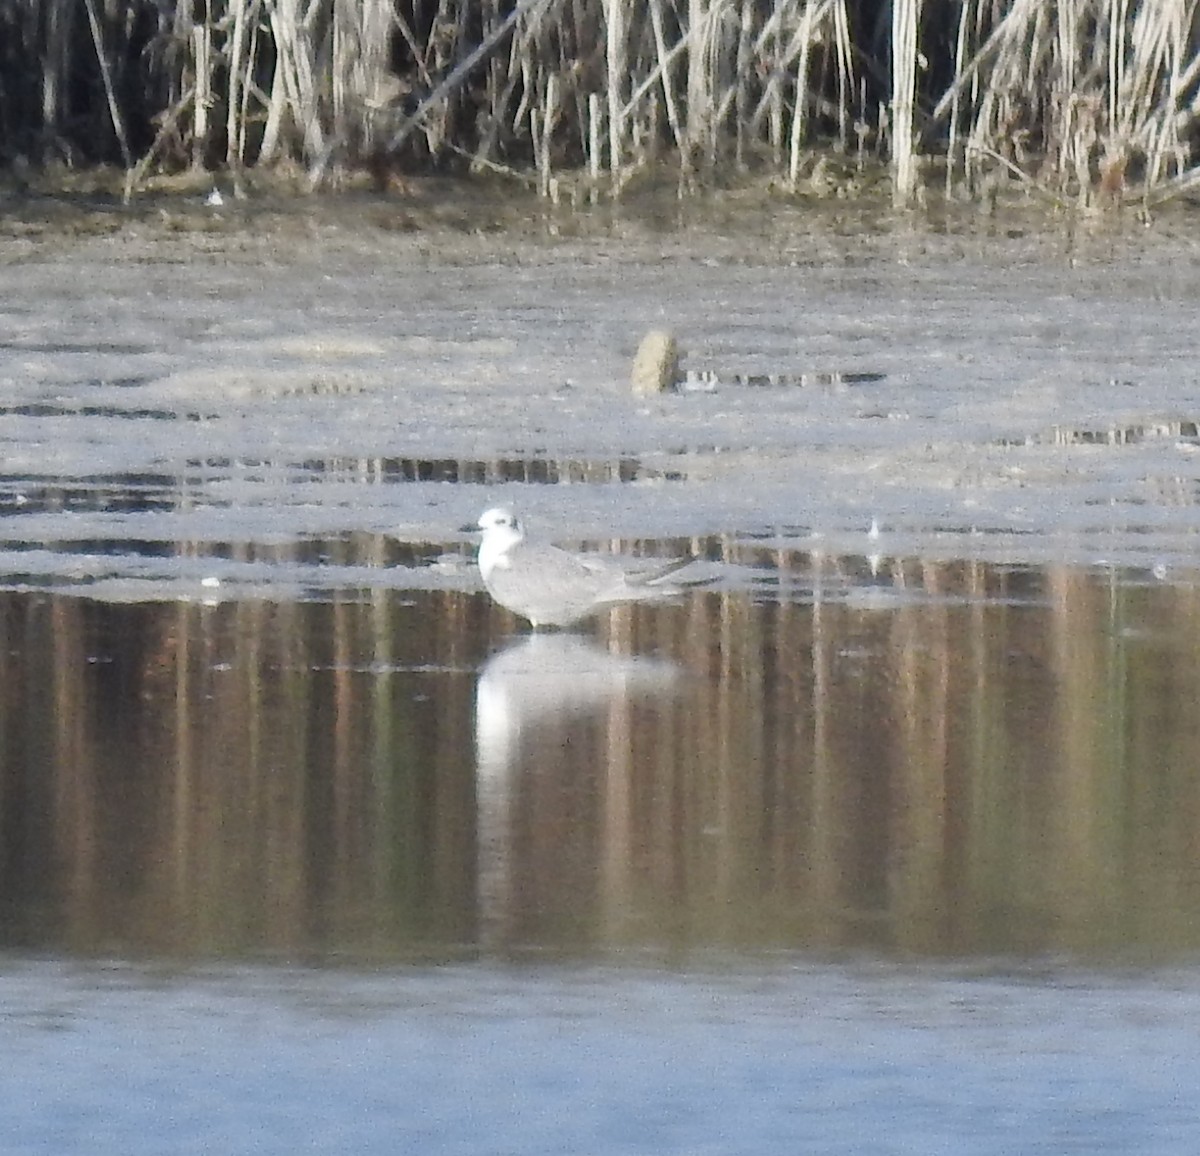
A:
272	382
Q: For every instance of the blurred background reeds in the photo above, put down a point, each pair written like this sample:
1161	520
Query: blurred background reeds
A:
1083	101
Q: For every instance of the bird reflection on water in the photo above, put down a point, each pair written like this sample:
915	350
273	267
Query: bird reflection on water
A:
527	689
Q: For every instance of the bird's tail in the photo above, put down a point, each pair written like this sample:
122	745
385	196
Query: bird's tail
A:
655	577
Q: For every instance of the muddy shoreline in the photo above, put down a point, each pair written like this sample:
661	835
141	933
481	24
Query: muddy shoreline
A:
1036	397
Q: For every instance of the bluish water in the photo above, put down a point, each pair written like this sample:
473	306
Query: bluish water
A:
486	1059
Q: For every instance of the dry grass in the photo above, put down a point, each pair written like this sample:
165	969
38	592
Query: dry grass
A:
1092	99
1088	100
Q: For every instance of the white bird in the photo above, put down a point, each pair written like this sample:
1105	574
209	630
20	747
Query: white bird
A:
553	587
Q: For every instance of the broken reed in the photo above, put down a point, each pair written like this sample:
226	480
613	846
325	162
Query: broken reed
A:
1079	98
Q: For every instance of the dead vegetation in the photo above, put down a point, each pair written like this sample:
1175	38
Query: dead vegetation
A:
1088	101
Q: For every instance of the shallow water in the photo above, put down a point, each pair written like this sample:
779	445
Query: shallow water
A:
547	1060
877	841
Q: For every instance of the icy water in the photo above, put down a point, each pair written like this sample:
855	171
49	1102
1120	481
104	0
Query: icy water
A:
882	840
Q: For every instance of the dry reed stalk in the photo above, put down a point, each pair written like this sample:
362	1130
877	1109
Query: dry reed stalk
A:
490	18
202	104
137	174
270	145
799	113
1118	12
720	66
114	111
241	78
505	77
1150	88
295	94
662	73
418	55
768	47
343	60
906	15
954	148
721	55
1167	145
57	39
699	94
549	115
279	100
359	80
773	98
1007	52
822	21
1099	90
462	71
1067	48
535	137
614	23
1005	39
1097	84
595	128
374	35
1185	183
653	79
250	88
526	73
844	56
1151	92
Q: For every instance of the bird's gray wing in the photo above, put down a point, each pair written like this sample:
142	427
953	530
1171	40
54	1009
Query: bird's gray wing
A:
549	585
650	571
551	568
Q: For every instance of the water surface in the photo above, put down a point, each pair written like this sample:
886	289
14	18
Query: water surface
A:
884	840
547	1060
957	761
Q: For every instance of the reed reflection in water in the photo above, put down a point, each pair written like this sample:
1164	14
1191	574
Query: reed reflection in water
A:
994	761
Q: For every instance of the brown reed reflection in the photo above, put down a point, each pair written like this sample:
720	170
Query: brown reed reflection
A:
969	771
993	761
193	779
